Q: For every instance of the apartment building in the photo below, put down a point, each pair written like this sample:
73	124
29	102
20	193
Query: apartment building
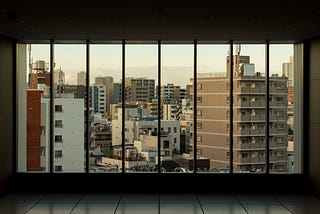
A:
249	102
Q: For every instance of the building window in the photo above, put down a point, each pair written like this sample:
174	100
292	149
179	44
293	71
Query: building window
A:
199	99
58	124
199	125
174	129
58	154
58	138
199	86
58	108
166	144
199	138
58	168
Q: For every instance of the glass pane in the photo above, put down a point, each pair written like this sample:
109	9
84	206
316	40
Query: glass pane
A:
249	108
141	115
177	70
281	112
213	88
69	108
105	114
34	107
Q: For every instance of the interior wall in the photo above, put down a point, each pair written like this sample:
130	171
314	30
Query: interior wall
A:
314	115
6	112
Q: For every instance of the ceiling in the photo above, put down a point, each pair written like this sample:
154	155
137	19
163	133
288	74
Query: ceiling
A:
216	21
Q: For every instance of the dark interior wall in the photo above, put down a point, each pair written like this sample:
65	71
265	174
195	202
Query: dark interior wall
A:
314	114
6	112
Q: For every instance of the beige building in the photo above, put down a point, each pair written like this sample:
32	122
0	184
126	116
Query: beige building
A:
248	120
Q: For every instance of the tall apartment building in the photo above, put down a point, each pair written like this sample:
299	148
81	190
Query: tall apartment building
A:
98	98
69	135
108	83
139	89
170	93
248	120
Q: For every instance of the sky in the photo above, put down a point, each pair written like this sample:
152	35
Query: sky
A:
177	61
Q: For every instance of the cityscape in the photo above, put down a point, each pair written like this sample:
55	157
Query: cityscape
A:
177	126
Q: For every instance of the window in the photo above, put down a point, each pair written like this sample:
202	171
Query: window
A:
58	124
199	125
58	154
58	108
58	138
166	144
199	138
177	107
58	168
199	86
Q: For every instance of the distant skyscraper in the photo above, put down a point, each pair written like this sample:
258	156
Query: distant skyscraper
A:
81	78
287	71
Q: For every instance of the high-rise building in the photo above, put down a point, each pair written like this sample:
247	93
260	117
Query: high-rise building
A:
170	93
248	121
98	98
81	78
108	83
69	135
139	89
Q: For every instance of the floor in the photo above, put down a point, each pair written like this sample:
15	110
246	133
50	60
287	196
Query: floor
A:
158	203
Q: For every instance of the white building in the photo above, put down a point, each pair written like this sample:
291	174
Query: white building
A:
138	124
69	135
170	111
45	135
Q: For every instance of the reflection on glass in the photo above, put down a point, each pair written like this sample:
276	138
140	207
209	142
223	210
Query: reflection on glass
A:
105	108
176	104
281	112
249	109
37	107
69	108
212	109
141	113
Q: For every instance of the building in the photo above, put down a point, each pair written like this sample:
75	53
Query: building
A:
69	135
108	83
249	120
170	93
98	98
139	90
81	78
117	93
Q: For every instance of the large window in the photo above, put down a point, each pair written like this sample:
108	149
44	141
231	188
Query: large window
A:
177	68
213	109
159	107
141	108
105	108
